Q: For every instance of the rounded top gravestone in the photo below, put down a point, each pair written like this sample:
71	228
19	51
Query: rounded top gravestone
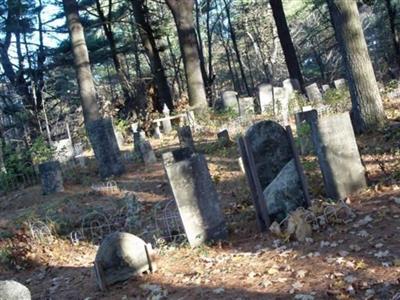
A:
271	149
13	290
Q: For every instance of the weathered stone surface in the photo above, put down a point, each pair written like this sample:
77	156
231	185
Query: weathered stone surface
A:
303	125
325	87
146	152
105	147
195	195
13	290
284	194
166	124
340	83
271	149
63	150
186	138
135	127
229	100
157	132
51	177
223	138
120	138
138	138
313	93
281	98
265	98
338	155
246	106
120	256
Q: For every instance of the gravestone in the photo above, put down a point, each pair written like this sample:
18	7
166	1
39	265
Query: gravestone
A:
63	150
303	125
284	194
105	147
281	100
325	87
147	153
186	138
51	177
157	132
313	93
121	256
138	138
271	149
288	86
265	98
195	196
246	106
338	155
223	138
230	101
135	127
340	83
13	290
166	124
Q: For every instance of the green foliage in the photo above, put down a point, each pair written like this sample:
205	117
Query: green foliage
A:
297	102
122	126
338	99
41	151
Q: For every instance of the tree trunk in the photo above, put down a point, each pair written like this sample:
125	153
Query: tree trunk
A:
289	52
149	43
367	108
182	10
391	10
100	131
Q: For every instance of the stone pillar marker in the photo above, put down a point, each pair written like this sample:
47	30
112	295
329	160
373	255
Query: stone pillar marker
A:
265	98
229	100
138	138
338	155
51	177
166	124
303	125
195	196
281	101
186	138
340	83
325	87
157	132
313	93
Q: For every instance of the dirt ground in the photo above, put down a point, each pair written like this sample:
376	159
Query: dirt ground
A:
347	258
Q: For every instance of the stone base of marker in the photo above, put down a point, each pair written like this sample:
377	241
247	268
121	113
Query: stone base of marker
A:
121	256
105	147
13	290
196	196
223	138
303	125
338	156
186	138
51	177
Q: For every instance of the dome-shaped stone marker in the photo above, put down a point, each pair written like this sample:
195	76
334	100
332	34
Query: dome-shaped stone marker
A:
121	256
13	290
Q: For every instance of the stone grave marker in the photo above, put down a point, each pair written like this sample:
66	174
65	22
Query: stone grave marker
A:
138	138
325	87
166	124
186	138
51	177
230	101
63	150
195	196
281	100
121	256
265	98
338	155
340	83
246	106
303	125
157	132
223	138
13	290
147	153
313	93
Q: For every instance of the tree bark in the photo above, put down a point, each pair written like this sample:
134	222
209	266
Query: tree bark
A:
288	49
182	10
149	44
391	10
367	108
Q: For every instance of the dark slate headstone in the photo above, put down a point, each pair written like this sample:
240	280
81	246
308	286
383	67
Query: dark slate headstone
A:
186	138
13	290
121	256
338	155
271	149
51	177
303	125
105	147
285	193
138	138
147	153
313	93
223	138
195	196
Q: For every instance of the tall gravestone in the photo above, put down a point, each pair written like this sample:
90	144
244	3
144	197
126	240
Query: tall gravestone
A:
51	177
265	98
246	106
105	147
195	196
325	87
338	155
186	138
166	124
230	101
340	83
313	93
281	100
303	125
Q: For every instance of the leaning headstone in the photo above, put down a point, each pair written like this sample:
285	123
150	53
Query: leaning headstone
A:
325	87
13	290
303	125
313	93
265	98
281	99
186	138
105	147
246	106
51	177
271	149
147	153
223	138
338	155
340	83
230	101
284	194
166	124
121	256
63	150
195	196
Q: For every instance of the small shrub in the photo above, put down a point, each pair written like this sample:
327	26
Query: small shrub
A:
337	99
41	151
